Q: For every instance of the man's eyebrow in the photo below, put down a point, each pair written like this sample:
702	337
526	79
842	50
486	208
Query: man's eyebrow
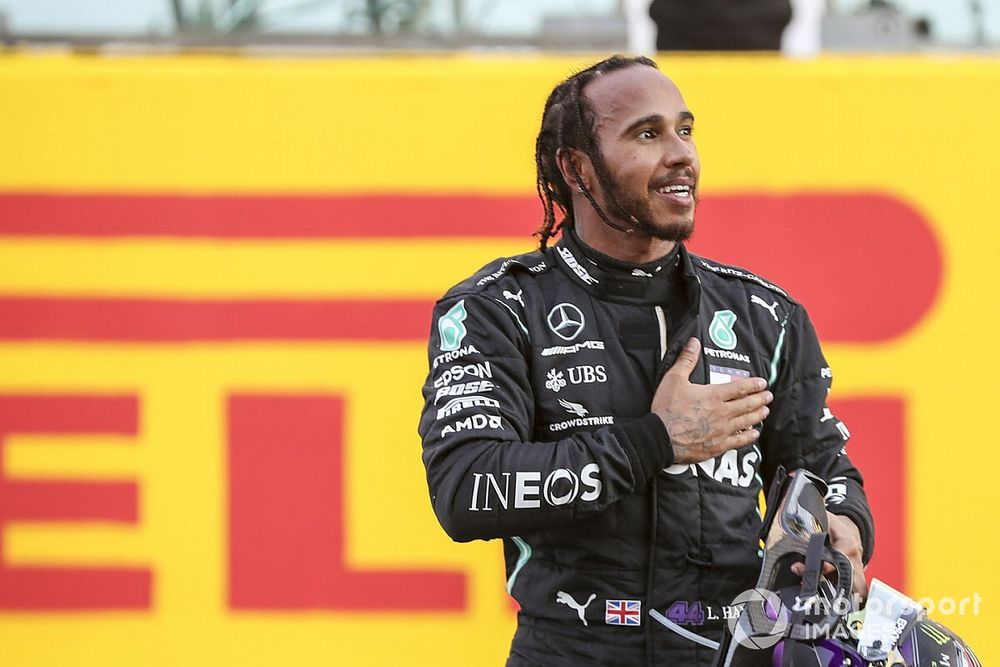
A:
656	119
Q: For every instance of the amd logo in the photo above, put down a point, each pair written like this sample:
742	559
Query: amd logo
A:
474	423
560	487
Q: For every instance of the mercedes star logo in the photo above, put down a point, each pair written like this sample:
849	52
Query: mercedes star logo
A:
566	321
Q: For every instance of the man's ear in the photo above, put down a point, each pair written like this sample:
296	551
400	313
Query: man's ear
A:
573	163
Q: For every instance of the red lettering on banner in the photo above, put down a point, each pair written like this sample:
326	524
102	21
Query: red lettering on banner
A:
69	588
867	266
287	517
827	248
384	215
878	449
154	321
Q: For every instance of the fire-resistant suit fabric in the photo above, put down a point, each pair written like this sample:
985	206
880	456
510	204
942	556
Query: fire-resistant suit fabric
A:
537	429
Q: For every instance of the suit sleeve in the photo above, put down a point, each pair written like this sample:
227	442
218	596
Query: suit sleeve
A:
486	477
802	432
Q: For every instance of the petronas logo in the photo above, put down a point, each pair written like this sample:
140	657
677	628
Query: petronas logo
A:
721	329
450	327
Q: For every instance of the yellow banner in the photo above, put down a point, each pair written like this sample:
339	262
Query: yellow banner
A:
161	328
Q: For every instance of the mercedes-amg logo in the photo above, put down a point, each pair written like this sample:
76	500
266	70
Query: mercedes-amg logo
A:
566	321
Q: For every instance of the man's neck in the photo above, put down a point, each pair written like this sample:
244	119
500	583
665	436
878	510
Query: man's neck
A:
636	248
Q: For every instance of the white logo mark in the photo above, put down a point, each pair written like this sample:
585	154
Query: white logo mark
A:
566	321
567	599
773	308
514	297
555	380
827	415
577	269
805	604
574	408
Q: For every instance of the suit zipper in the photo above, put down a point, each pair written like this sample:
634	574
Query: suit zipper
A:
661	320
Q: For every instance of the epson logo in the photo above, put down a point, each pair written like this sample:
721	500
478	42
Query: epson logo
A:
560	487
473	423
454	354
457	373
456	405
475	387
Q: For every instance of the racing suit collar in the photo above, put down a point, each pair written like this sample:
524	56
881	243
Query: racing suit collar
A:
613	280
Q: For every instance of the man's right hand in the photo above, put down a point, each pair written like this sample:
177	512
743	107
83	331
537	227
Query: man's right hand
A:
704	421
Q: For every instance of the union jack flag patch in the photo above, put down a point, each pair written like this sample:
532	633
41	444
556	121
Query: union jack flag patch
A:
622	612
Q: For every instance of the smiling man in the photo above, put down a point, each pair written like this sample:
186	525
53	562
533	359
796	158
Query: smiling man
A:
612	406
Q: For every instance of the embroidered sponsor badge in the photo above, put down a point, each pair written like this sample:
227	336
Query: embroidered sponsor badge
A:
622	612
725	374
721	329
451	329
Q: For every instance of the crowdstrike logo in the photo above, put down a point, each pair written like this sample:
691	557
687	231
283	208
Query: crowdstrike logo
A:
581	418
566	321
574	408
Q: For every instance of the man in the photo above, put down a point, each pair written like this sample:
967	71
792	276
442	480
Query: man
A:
612	406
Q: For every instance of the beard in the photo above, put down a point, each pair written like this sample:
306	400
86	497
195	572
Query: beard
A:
635	211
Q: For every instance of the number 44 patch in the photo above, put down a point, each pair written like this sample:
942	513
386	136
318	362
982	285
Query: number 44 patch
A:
686	613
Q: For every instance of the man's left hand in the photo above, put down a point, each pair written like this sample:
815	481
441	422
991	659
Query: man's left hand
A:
845	538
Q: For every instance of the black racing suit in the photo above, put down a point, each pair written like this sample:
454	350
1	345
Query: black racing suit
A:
536	429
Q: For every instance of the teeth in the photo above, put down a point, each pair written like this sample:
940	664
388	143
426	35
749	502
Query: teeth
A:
682	190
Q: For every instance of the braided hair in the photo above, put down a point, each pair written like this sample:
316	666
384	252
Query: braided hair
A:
568	122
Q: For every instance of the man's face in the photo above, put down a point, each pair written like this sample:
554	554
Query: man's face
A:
644	135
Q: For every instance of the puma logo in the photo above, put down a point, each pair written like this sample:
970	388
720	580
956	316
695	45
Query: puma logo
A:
567	599
515	297
773	308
